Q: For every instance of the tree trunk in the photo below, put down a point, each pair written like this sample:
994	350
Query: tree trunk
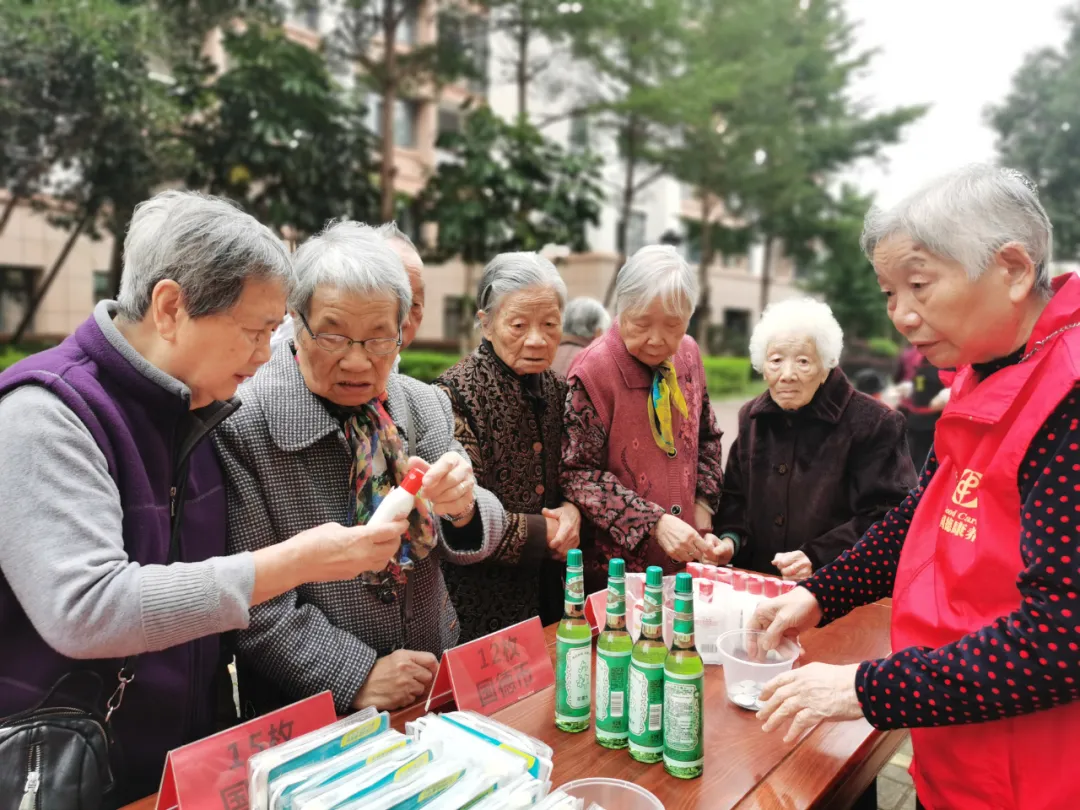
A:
465	336
9	209
116	260
766	273
627	207
50	277
704	308
386	114
522	76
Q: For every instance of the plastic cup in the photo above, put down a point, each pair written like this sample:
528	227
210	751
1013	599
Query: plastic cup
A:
745	675
695	570
612	793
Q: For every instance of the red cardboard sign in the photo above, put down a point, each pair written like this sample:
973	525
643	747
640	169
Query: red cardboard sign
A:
495	671
211	774
596	610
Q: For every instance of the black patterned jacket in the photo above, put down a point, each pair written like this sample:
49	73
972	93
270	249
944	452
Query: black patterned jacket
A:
511	426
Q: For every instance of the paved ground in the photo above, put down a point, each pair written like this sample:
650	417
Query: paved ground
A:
895	790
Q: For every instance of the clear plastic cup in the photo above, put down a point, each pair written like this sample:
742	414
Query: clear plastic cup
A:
745	675
612	794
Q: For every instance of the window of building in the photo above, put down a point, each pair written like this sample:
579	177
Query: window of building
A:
17	286
102	288
579	132
452	320
449	120
405	112
468	34
736	330
635	232
406	30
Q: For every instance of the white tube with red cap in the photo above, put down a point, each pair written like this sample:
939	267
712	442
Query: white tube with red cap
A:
398	504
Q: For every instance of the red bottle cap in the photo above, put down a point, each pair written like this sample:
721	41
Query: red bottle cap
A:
413	480
772	587
787	586
705	590
755	585
739	580
723	575
695	570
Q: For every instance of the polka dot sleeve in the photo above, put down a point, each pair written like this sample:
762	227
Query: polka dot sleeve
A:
865	573
1025	661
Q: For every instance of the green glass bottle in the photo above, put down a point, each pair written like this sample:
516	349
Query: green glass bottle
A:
684	686
613	650
573	653
647	674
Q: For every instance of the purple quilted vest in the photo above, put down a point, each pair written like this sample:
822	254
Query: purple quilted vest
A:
137	424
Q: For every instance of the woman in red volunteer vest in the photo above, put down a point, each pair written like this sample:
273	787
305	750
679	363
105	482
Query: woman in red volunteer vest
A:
982	559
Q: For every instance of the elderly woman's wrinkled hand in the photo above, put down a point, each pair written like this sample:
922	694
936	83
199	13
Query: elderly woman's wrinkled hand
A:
680	540
780	617
335	552
793	565
568	533
721	550
808	695
450	486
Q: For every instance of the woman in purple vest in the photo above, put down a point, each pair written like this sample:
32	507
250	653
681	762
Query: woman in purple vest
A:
112	542
642	454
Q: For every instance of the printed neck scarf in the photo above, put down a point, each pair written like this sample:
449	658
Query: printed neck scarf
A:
665	392
379	464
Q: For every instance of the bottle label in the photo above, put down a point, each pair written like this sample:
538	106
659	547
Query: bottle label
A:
572	665
616	597
647	707
652	615
612	675
575	587
684	744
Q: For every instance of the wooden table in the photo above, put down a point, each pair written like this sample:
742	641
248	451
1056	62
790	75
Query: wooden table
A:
744	768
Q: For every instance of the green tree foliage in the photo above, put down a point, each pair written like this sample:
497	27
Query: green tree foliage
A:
1038	128
841	273
504	188
276	133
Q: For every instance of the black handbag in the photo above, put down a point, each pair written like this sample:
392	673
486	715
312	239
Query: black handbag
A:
57	757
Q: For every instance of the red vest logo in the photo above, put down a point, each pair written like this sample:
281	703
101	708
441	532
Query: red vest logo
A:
964	495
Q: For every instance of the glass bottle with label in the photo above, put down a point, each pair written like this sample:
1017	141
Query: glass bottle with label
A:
647	658
573	653
613	650
684	685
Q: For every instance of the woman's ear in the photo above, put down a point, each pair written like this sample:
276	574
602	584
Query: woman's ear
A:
167	308
1019	270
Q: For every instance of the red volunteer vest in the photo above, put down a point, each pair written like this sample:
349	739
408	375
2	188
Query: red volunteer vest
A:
958	573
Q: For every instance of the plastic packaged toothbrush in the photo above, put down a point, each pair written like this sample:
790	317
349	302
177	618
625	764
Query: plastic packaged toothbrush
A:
503	761
473	787
537	755
314	747
320	774
522	793
397	767
418	791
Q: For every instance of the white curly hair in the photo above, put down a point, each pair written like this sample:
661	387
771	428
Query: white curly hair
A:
799	317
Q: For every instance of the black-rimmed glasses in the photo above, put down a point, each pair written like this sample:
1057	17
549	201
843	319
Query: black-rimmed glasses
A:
329	342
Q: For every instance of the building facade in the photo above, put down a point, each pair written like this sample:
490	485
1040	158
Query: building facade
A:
663	208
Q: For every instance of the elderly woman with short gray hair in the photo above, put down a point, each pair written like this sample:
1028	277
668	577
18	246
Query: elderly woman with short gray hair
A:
816	463
980	559
326	433
508	408
584	321
642	454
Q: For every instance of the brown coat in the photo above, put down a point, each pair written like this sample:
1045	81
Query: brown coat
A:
814	479
511	426
568	350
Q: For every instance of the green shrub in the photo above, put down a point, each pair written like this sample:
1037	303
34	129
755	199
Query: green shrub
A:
727	375
10	356
426	366
883	347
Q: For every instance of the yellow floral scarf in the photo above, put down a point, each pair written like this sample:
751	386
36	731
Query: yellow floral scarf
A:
665	392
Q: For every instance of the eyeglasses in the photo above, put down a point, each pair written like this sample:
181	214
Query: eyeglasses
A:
329	342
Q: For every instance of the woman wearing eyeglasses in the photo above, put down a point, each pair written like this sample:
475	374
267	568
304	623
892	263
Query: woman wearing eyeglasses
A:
325	433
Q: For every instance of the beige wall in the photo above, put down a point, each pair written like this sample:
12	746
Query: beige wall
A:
29	240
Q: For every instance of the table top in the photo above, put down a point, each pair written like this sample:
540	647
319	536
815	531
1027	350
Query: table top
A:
744	767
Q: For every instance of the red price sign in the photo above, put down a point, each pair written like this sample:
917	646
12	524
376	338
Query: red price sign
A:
211	774
495	671
596	610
